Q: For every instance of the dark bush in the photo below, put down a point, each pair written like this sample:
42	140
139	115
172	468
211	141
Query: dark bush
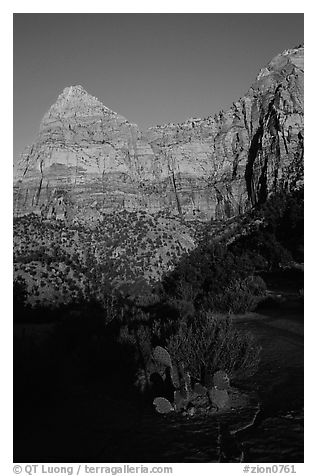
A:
264	244
239	296
209	343
214	278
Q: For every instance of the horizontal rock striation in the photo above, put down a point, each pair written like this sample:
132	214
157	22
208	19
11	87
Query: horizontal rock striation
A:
89	161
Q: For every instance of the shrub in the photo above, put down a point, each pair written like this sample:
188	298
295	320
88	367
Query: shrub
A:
211	277
210	343
239	296
264	244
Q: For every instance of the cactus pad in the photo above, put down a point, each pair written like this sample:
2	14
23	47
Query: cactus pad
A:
219	398
161	356
162	405
221	380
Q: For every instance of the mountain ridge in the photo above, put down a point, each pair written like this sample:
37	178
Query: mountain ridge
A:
215	167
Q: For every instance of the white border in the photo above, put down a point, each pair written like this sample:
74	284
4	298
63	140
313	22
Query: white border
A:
164	6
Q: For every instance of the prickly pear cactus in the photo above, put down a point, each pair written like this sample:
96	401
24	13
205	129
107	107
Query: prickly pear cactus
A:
219	398
162	357
162	405
221	380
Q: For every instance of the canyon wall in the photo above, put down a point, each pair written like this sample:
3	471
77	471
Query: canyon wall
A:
88	160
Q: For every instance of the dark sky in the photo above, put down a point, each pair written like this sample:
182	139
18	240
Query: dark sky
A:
151	68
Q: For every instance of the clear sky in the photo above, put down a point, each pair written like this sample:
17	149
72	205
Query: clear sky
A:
151	68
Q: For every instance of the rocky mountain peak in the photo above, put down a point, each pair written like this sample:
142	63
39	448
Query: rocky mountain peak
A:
76	101
284	63
212	168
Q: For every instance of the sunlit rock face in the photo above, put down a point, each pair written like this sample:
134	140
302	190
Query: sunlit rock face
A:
85	157
89	161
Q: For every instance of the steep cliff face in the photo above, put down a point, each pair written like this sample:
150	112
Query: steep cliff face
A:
85	156
226	163
89	161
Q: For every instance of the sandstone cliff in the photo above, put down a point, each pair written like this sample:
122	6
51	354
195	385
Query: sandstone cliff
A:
89	161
